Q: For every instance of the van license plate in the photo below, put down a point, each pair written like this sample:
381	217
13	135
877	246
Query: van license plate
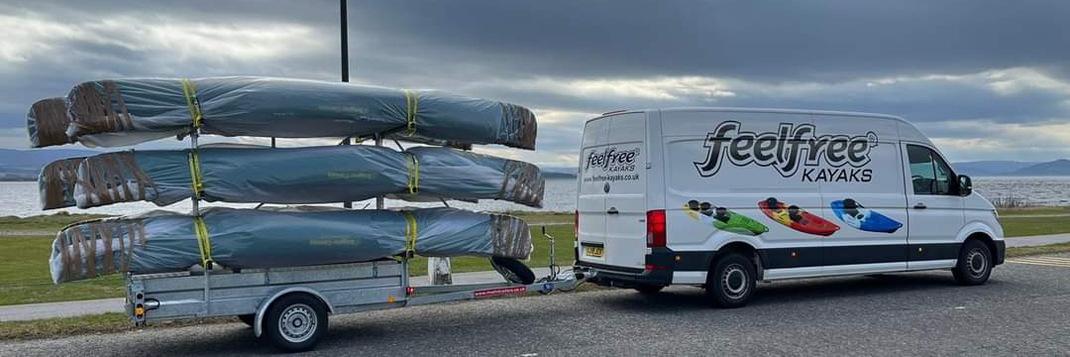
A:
594	252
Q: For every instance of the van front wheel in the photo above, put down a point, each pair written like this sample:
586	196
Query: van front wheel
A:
975	263
731	281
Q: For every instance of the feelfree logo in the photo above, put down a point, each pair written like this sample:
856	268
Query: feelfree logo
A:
787	149
611	160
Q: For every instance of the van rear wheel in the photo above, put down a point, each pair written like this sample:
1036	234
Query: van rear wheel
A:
975	263
731	281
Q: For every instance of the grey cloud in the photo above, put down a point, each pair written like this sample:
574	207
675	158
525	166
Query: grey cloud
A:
767	41
813	54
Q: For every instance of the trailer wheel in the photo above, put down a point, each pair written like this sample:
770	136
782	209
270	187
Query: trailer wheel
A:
731	281
295	322
513	270
248	319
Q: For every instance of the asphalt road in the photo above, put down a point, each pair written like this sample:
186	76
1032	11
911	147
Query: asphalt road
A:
1024	309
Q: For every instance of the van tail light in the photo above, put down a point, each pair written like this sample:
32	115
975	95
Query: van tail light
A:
655	228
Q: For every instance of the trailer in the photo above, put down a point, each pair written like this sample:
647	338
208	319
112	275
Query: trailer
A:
289	307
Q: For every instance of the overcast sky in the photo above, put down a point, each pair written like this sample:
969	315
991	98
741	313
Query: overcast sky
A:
984	79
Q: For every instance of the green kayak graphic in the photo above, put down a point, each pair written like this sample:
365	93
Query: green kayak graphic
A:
724	219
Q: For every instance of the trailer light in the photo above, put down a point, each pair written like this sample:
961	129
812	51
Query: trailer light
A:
139	311
410	290
655	228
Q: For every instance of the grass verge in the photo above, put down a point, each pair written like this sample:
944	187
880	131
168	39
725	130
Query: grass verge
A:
49	223
1038	250
1029	226
1034	210
83	325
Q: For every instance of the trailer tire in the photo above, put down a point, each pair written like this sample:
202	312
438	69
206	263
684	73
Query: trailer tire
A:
513	270
295	322
248	319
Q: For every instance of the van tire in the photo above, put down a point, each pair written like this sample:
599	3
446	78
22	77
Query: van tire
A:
649	289
731	281
975	263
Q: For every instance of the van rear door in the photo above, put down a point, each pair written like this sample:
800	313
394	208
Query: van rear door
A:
612	194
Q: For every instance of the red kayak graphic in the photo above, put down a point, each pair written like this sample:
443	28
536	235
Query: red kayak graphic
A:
796	218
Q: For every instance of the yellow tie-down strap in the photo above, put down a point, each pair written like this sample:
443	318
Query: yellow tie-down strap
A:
410	234
414	174
412	104
197	181
204	242
194	104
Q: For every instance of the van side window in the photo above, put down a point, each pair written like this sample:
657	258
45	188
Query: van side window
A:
929	174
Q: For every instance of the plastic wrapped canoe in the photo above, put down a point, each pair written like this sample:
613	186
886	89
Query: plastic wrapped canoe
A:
160	242
129	111
290	176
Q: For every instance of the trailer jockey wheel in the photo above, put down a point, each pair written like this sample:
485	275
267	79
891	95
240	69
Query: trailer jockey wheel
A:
295	322
513	270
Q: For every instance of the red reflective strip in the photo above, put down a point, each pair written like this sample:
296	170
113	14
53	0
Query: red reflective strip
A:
501	291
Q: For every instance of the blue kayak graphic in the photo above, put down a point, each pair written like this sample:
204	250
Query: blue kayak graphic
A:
851	212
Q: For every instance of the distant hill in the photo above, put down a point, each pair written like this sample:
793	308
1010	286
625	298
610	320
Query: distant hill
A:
1059	167
1054	168
23	165
558	172
990	167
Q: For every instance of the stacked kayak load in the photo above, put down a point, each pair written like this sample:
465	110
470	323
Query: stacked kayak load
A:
240	238
120	112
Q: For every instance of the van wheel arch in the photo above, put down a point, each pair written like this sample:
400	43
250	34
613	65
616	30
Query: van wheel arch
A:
743	248
984	238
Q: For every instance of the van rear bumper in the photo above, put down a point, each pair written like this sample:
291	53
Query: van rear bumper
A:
658	271
622	277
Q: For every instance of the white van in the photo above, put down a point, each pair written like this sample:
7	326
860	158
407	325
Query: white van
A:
726	197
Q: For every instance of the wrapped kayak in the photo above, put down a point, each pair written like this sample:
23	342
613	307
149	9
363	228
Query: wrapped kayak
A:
130	111
236	238
292	175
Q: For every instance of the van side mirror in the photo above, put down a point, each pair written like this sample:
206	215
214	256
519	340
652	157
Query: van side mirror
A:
965	185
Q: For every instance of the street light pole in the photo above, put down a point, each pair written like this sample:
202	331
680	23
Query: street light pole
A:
343	14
